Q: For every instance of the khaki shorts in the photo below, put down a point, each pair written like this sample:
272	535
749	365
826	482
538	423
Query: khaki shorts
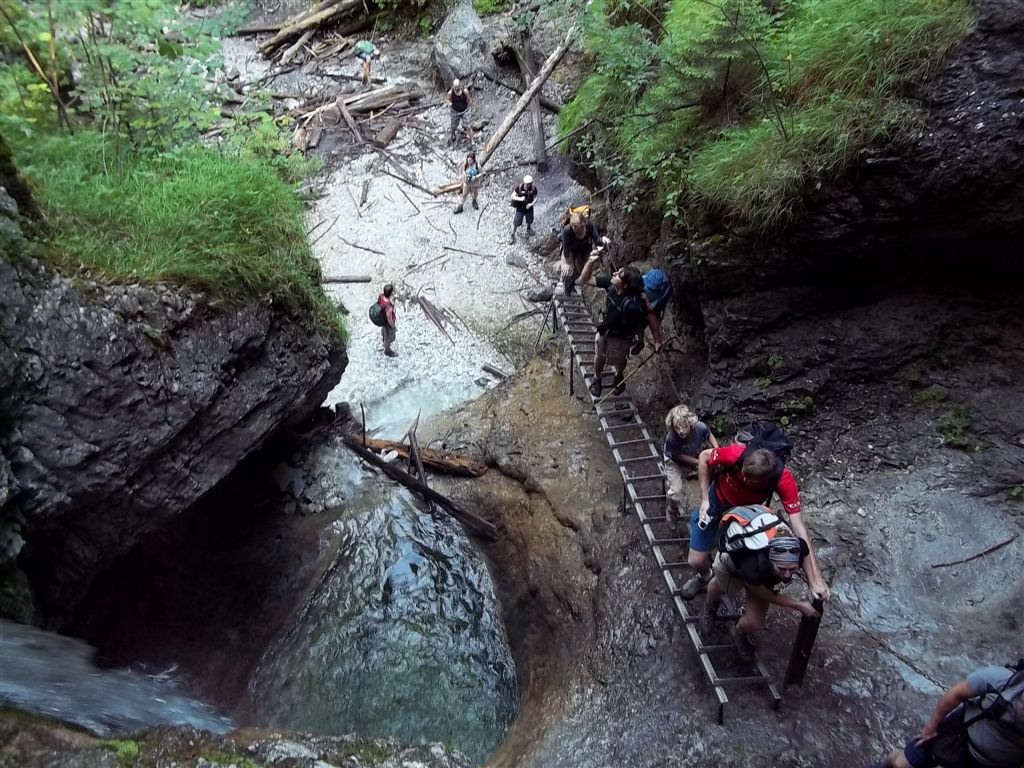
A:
728	578
674	474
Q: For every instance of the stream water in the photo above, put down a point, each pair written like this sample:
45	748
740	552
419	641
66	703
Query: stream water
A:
56	676
402	635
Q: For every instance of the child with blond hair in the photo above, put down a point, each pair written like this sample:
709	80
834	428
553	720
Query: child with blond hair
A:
686	437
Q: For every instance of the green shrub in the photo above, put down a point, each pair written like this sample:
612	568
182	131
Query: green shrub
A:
732	107
210	220
488	6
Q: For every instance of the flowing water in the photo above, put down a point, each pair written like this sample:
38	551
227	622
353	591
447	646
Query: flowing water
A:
401	637
56	676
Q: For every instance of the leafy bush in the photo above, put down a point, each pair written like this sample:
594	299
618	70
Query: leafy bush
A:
734	105
207	219
488	6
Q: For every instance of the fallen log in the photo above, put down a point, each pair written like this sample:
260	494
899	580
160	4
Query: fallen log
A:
528	67
520	106
545	102
312	18
488	368
351	123
345	279
438	461
291	51
475	523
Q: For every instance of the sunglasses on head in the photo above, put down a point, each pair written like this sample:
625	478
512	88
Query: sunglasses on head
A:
787	548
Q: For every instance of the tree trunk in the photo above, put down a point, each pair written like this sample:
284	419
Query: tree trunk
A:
528	67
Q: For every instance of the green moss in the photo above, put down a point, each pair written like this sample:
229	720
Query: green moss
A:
127	751
955	428
221	223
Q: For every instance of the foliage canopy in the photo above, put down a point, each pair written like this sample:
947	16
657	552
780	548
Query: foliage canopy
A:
733	106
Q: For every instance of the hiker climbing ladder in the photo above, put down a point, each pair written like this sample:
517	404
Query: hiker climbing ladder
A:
639	461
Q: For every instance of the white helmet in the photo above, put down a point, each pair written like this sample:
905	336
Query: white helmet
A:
456	83
527	179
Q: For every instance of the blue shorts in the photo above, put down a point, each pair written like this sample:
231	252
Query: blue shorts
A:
951	732
707	540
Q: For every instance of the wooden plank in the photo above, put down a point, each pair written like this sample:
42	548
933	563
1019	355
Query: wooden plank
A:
439	461
345	279
475	523
387	133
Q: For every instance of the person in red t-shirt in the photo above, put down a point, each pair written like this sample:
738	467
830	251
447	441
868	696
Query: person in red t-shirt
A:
753	483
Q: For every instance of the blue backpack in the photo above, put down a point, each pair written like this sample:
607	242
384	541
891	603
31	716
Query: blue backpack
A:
658	288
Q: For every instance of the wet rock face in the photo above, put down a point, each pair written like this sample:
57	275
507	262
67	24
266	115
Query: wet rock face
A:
911	250
125	405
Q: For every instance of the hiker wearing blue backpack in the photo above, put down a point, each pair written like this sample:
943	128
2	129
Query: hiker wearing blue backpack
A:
978	723
757	552
739	475
658	289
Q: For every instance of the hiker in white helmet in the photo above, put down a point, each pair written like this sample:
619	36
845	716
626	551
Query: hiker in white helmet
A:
522	199
459	102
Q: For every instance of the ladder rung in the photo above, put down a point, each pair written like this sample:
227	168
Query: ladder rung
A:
639	458
668	542
741	679
632	478
676	563
631	425
653	497
627	442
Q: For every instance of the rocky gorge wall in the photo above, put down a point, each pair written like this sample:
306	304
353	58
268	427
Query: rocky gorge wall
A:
124	405
912	254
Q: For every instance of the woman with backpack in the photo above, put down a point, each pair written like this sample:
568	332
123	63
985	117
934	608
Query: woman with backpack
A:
757	553
470	182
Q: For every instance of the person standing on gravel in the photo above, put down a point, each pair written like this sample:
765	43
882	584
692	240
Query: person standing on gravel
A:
522	199
366	52
578	239
459	103
470	182
387	331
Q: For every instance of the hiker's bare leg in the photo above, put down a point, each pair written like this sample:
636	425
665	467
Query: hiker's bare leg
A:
754	613
600	353
896	759
699	561
366	71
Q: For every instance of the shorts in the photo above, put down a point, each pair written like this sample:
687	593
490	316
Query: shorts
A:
520	215
674	473
611	350
706	540
951	743
459	117
728	577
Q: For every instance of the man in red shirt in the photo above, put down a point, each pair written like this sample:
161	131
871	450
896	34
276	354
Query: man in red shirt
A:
754	482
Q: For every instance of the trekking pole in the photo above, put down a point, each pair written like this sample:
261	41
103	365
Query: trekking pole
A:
630	375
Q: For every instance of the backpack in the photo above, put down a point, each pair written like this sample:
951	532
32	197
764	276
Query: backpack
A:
658	288
583	210
954	747
767	435
377	314
624	315
752	527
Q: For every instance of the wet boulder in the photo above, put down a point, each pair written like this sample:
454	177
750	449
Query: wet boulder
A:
460	47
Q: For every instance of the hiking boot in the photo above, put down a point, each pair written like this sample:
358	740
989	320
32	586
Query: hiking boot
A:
708	617
476	205
512	240
671	518
637	348
458	208
619	384
595	387
744	646
695	585
390	353
529	231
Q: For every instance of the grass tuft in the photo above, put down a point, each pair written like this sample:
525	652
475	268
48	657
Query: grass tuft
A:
733	108
220	223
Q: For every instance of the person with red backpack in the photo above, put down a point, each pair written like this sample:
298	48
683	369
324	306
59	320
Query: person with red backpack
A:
757	552
738	475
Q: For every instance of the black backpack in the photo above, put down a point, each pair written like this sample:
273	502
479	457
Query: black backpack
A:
624	315
376	313
766	435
